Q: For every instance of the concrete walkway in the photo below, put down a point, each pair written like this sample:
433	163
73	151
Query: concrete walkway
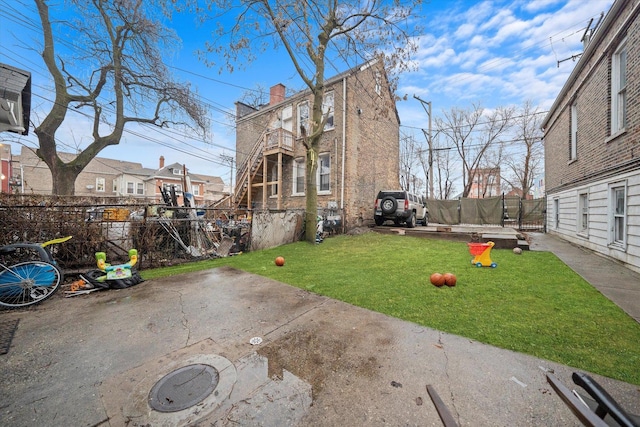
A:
615	281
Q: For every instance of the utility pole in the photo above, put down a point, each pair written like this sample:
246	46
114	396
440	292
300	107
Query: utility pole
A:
430	142
230	160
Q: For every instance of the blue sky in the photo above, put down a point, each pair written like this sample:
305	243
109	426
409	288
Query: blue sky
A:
496	53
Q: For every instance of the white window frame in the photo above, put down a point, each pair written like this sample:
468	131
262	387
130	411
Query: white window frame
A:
378	85
140	188
287	118
195	190
328	110
324	170
618	215
583	213
619	89
573	149
303	117
299	167
115	186
130	187
100	185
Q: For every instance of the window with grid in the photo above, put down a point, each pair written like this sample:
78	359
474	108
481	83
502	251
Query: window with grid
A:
298	176
100	182
618	215
328	110
619	89
573	150
303	117
324	172
583	212
129	187
140	188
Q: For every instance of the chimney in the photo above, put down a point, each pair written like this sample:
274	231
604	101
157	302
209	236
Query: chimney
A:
161	162
276	94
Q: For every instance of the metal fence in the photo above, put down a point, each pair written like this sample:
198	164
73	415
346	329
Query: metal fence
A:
505	211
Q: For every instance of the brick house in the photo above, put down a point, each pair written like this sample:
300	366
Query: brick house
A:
116	178
592	155
358	154
486	183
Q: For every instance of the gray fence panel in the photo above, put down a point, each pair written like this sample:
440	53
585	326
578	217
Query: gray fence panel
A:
443	211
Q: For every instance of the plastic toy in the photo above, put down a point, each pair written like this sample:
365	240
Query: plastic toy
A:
482	254
120	271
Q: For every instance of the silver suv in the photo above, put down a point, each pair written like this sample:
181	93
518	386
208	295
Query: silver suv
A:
400	206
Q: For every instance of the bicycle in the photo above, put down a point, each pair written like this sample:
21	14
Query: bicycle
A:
29	282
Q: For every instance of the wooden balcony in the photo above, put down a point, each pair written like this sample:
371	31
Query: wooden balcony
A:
278	141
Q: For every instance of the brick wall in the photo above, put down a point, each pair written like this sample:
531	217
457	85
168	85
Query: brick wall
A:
371	145
597	150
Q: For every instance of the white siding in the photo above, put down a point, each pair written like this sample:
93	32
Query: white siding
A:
598	238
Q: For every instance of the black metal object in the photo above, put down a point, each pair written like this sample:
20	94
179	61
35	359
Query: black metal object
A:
183	388
605	403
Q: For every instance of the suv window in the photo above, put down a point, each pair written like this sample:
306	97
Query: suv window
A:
394	194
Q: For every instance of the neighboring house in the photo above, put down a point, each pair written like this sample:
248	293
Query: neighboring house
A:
6	169
358	153
116	178
486	183
591	135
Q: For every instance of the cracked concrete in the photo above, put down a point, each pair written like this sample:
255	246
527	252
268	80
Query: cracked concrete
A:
73	361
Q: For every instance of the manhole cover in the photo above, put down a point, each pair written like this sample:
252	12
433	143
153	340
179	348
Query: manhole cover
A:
183	388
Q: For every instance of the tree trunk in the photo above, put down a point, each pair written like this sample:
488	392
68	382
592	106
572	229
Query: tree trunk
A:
311	211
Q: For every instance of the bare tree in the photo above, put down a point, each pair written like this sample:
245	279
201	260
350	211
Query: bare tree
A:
309	31
473	133
443	166
525	159
121	79
409	158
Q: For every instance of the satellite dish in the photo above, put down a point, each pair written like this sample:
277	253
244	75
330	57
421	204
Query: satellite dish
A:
89	187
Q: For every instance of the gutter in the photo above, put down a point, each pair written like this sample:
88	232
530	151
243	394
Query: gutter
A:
344	140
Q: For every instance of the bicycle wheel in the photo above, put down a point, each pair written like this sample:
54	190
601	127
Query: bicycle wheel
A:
28	283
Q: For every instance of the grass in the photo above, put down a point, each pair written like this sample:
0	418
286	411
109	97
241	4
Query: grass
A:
531	303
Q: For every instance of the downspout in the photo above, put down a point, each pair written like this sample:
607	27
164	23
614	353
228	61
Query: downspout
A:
344	141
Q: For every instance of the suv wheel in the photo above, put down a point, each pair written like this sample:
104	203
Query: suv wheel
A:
388	205
411	221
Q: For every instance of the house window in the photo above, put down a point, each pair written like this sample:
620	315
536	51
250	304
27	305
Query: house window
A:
556	213
618	215
573	149
195	190
100	184
140	188
583	213
177	171
324	173
619	89
378	87
303	117
273	177
298	176
129	187
287	118
328	110
115	185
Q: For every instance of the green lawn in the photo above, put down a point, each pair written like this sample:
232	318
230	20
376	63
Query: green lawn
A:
531	303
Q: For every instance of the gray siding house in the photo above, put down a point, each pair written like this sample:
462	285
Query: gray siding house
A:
591	134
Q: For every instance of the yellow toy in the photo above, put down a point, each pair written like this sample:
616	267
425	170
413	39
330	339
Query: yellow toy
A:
482	254
121	271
